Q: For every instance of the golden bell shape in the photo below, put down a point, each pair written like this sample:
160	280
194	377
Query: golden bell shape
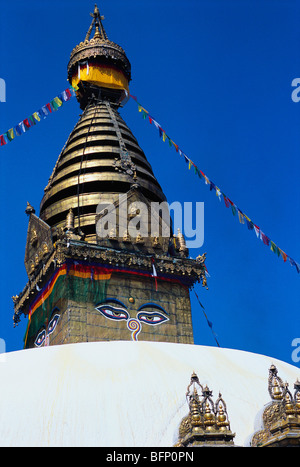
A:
209	418
277	393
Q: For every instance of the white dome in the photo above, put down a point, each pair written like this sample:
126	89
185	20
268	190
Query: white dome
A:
125	393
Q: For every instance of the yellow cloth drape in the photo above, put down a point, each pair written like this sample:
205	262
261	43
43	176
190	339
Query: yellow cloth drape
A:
101	76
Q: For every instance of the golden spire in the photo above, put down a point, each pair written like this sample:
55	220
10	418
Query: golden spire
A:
97	22
275	384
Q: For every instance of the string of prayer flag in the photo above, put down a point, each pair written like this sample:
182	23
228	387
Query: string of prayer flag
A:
243	218
210	325
37	116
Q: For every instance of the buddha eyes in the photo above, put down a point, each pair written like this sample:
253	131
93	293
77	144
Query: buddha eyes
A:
151	318
53	323
148	313
113	312
44	333
40	339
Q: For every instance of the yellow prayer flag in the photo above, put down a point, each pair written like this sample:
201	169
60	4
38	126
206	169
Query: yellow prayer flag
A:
36	116
11	133
241	217
57	101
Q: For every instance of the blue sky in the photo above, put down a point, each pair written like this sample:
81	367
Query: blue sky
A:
217	76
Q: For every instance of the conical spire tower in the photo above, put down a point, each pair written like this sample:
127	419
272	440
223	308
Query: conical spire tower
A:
97	268
101	158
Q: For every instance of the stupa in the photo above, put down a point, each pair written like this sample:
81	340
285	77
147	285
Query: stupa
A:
108	357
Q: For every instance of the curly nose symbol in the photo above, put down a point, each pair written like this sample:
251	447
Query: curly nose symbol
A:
134	326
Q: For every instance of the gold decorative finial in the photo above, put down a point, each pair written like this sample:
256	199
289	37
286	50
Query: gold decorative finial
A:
275	384
29	209
97	22
70	220
182	245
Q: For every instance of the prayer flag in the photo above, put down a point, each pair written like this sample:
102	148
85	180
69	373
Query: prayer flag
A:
256	229
284	255
26	123
18	130
43	111
10	134
48	107
2	140
58	101
233	209
22	126
226	201
36	116
156	124
249	223
241	217
293	263
264	238
32	120
54	104
68	93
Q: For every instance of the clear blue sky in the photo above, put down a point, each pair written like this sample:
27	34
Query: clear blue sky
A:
217	76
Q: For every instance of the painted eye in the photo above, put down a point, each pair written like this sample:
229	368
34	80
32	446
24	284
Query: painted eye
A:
151	318
53	323
113	312
40	339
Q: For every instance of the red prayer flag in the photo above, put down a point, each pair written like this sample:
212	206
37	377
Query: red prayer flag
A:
264	238
49	107
26	123
226	201
68	92
2	140
283	254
